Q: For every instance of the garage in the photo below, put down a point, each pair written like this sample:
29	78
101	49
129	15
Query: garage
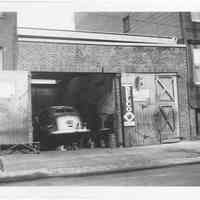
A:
92	95
148	77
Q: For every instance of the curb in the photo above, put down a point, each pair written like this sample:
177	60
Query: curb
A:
6	177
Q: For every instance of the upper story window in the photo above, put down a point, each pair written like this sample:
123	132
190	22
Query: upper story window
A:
1	59
196	64
195	16
126	24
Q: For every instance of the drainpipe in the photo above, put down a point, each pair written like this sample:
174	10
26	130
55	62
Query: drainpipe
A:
188	63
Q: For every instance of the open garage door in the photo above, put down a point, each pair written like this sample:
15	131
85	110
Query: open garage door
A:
15	108
95	97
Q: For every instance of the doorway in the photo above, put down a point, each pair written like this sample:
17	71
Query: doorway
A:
155	106
93	95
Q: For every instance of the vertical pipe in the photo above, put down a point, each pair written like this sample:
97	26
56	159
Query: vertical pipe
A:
196	119
30	126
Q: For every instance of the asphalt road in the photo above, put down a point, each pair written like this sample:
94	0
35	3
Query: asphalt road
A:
185	175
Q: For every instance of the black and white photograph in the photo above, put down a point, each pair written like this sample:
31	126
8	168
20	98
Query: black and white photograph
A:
98	98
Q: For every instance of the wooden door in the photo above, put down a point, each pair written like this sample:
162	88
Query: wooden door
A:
143	96
167	101
155	108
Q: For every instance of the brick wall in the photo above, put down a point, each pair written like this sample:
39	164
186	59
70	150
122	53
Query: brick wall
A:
165	24
8	39
191	30
98	22
95	58
155	24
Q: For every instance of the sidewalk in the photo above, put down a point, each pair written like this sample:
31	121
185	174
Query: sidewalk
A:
97	161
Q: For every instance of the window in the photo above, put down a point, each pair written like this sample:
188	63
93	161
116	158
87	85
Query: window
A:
1	59
196	64
198	121
126	24
195	16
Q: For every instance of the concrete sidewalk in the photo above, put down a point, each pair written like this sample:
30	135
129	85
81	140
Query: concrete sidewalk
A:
98	161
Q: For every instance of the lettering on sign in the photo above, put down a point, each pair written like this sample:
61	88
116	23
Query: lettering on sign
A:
128	115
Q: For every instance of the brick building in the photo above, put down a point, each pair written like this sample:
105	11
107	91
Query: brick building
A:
181	25
101	70
190	26
100	74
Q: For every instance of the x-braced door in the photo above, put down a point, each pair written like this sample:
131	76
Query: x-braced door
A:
167	107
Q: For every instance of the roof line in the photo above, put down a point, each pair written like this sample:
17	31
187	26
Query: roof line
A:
85	31
90	42
90	36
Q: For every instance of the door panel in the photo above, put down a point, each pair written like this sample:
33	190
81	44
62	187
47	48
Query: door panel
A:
15	110
168	106
155	108
165	89
144	102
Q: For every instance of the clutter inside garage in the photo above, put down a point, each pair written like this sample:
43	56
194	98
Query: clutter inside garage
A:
89	98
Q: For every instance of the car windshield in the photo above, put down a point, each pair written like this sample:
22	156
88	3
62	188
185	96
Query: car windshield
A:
64	110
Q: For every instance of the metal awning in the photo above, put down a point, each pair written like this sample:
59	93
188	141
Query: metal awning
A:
66	36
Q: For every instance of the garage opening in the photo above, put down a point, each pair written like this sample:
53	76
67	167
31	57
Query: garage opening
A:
85	102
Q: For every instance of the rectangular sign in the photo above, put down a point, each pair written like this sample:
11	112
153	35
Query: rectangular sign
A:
141	95
128	108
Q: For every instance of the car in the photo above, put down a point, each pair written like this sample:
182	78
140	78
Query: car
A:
59	125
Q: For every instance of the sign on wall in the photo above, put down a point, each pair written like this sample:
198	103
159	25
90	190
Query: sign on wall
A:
141	95
128	111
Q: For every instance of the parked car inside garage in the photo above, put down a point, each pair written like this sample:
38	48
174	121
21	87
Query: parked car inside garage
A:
59	125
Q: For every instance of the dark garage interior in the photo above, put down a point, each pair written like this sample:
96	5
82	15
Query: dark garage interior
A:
91	94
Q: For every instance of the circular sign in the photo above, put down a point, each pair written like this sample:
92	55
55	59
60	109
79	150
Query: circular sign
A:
129	116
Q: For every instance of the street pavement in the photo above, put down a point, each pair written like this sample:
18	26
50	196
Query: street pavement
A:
20	166
185	175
